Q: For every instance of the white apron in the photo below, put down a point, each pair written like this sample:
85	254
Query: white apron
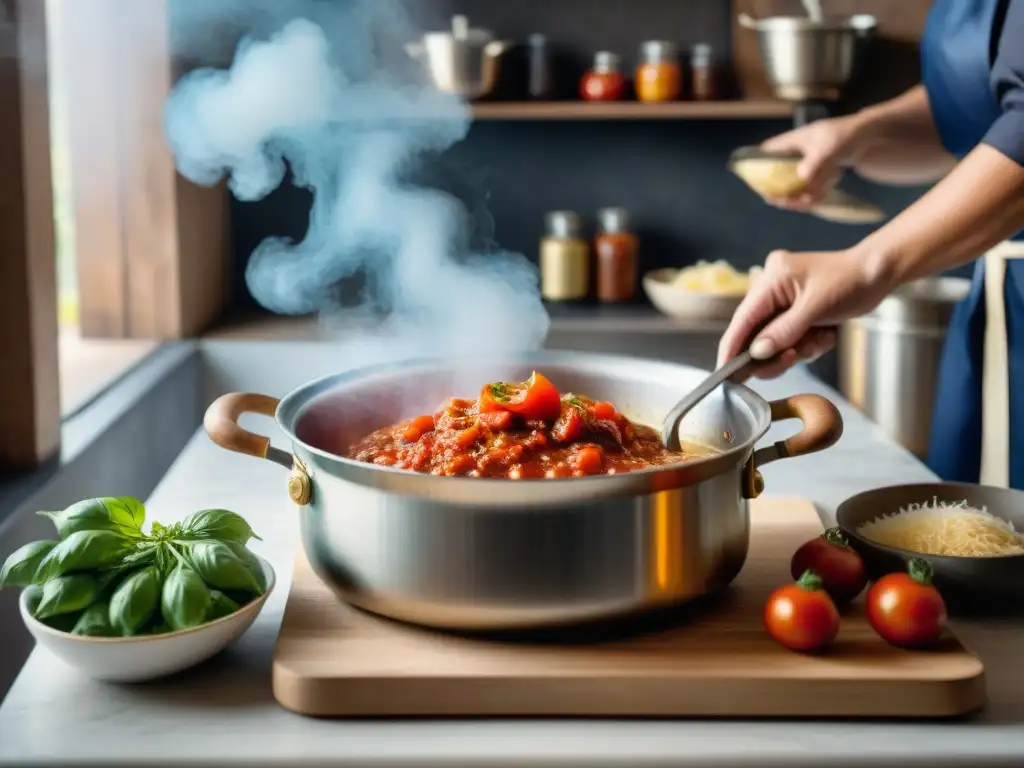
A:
995	376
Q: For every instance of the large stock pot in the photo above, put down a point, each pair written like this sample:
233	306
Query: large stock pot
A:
484	554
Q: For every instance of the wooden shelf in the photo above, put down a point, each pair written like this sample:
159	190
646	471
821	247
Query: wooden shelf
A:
739	109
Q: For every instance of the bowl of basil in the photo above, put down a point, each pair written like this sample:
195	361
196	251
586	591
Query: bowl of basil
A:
124	605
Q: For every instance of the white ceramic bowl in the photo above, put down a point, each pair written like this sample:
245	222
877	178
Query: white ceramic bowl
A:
691	305
134	659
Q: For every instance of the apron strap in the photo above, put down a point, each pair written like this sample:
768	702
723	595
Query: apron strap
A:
954	449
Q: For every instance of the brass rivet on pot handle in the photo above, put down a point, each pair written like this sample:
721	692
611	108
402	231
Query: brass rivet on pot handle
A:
300	488
753	482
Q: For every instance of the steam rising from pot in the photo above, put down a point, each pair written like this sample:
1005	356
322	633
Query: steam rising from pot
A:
351	121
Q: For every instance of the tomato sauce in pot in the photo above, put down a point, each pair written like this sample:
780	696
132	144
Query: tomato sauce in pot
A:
518	430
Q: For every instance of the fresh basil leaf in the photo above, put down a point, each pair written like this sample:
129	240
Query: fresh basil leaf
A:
67	594
20	568
219	524
164	560
185	599
107	582
159	628
88	515
252	562
33	594
156	529
219	566
242	599
83	551
64	622
94	621
143	553
220	605
135	601
127	511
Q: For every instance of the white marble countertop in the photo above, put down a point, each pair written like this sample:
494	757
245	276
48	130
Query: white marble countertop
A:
223	711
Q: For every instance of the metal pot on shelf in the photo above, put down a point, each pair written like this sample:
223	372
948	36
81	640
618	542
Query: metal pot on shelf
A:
889	358
484	554
464	61
808	60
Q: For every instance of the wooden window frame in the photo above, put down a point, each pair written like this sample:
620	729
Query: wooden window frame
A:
152	249
30	403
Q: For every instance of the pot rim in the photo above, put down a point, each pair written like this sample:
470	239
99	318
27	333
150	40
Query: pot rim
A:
858	23
293	405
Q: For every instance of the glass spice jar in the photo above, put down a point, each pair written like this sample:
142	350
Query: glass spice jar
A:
617	253
703	78
564	258
539	82
659	76
604	81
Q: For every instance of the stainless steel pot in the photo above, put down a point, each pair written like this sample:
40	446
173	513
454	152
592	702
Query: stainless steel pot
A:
889	359
807	60
464	61
472	554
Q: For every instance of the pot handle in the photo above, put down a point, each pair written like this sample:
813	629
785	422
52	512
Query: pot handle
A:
823	426
221	424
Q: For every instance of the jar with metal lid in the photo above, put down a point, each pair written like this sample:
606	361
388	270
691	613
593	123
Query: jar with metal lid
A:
604	81
617	254
703	77
659	76
564	258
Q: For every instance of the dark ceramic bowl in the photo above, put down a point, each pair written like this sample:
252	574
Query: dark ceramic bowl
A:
968	584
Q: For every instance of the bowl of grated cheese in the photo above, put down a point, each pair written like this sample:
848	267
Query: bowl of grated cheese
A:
703	291
972	535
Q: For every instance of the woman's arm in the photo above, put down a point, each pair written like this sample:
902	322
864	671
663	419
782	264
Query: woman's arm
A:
979	203
800	294
976	206
899	143
982	201
894	142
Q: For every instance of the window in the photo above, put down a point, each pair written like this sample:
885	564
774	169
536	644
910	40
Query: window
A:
87	364
106	250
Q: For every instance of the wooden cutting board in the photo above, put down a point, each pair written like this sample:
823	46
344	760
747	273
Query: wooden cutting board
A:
333	660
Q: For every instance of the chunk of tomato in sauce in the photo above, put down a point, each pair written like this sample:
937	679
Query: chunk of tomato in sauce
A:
588	460
569	424
496	420
418	427
603	410
535	398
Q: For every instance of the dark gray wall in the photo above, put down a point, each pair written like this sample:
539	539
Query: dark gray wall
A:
669	174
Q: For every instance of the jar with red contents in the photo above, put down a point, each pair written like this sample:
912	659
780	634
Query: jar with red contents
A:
617	254
660	75
604	81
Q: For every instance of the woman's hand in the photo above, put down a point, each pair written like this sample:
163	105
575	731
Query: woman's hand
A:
828	147
801	296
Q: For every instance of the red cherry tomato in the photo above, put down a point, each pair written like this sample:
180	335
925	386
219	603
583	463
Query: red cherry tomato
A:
840	567
905	609
801	616
535	398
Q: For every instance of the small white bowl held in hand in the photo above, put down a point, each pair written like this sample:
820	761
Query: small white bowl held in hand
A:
147	657
690	305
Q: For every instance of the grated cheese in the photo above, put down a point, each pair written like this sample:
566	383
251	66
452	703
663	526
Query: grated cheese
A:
945	528
718	277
